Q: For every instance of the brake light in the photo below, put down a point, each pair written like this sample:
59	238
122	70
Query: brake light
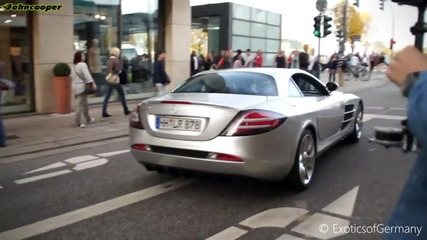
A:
135	119
175	102
141	147
254	122
224	157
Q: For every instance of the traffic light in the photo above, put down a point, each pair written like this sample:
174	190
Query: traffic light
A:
356	3
326	26
317	22
392	42
382	5
339	34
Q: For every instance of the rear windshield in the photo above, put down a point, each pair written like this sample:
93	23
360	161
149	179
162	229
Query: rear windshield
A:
230	82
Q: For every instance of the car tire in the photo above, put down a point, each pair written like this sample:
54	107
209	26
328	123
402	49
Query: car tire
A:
305	158
356	134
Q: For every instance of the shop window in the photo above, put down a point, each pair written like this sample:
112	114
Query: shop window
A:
15	61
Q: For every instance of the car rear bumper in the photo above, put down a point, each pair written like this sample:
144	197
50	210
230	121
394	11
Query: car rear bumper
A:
268	156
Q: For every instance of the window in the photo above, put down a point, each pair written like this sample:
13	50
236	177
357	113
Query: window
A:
259	15
273	45
15	60
309	86
257	43
269	59
240	42
241	12
293	90
273	18
241	28
273	32
258	30
231	83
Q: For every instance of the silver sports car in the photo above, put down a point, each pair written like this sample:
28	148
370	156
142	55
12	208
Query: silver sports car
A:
266	123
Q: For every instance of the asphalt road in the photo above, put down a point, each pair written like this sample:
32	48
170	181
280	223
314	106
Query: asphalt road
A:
113	197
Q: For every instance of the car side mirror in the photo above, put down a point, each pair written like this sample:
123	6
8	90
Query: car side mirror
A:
331	86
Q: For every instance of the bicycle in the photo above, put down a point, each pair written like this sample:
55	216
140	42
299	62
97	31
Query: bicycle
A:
359	72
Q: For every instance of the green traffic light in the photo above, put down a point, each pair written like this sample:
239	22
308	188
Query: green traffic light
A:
316	33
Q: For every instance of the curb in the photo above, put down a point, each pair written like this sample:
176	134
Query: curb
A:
64	146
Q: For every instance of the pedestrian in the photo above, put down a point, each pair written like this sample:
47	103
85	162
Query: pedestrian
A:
304	59
280	60
3	87
332	66
411	210
114	67
81	77
258	60
160	77
194	63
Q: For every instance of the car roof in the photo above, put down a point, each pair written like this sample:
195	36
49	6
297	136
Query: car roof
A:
274	72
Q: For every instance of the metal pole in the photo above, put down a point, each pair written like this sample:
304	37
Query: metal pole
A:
321	33
344	26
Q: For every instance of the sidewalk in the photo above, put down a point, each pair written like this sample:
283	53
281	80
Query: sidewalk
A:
31	134
37	133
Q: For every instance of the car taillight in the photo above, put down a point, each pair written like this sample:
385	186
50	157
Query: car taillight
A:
141	147
254	122
135	119
224	157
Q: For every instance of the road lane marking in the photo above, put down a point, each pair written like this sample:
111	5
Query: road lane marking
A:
313	226
90	164
288	237
308	225
380	116
374	107
231	233
344	205
109	154
79	159
81	163
276	217
81	214
48	167
1	187
399	109
43	176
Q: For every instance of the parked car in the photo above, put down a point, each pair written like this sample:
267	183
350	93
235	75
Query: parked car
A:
265	123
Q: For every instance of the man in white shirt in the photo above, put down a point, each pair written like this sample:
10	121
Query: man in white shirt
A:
314	64
248	58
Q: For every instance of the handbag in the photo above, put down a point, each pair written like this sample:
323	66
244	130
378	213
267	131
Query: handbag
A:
88	86
112	78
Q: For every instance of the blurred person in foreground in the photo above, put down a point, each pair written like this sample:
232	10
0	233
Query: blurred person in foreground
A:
411	210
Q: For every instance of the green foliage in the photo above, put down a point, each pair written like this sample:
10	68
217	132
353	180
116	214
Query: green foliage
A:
61	70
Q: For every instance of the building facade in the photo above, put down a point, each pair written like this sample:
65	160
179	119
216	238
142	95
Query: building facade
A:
223	26
32	42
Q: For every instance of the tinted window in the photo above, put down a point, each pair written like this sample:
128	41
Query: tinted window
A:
232	83
309	86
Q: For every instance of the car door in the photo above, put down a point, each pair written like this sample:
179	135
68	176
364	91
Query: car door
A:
329	112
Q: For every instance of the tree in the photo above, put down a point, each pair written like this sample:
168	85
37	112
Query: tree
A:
356	21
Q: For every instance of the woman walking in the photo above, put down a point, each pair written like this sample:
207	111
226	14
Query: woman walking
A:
81	78
114	67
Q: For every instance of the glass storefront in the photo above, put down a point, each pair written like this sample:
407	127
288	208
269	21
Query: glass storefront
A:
205	35
15	56
130	25
256	29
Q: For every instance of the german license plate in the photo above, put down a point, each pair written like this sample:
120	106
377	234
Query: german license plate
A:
184	124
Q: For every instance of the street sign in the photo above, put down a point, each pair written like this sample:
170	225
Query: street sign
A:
321	5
